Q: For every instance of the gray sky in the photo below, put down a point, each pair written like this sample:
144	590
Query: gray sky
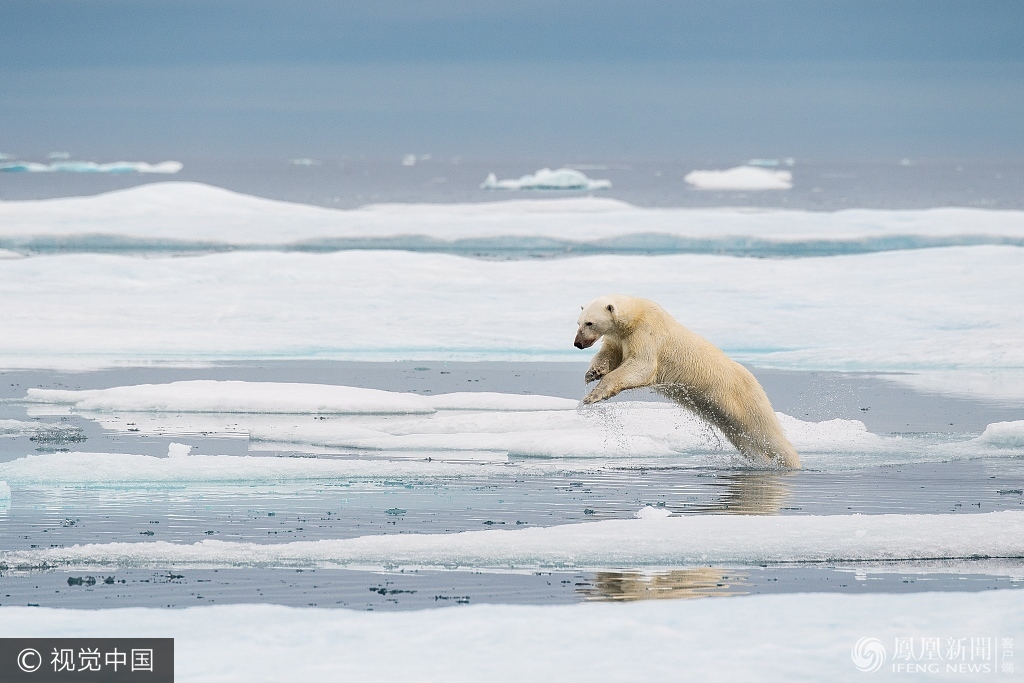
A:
596	79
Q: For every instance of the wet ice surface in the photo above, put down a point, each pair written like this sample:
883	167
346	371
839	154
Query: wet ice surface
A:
473	494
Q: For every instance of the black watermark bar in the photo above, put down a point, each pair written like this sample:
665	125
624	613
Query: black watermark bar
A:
87	660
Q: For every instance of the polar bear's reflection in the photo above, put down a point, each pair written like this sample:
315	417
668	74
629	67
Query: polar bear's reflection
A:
699	582
752	493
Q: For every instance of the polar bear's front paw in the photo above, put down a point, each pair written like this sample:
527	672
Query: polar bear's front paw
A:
592	397
593	375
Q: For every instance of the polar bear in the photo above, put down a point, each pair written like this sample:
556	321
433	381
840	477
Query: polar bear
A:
645	346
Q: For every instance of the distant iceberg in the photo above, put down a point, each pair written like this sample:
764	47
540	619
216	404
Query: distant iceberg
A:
167	167
771	163
741	178
546	179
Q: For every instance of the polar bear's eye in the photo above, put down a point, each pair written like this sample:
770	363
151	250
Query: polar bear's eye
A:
589	324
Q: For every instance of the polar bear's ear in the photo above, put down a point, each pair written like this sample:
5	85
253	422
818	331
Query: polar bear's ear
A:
581	308
611	309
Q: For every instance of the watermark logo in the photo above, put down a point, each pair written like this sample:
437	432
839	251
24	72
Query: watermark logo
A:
90	660
868	655
936	655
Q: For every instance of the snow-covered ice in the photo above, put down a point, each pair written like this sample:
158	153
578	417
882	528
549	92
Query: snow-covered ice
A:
741	178
120	470
653	540
546	179
926	310
210	396
185	212
1004	434
785	638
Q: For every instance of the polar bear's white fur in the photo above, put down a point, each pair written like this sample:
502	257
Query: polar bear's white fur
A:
645	346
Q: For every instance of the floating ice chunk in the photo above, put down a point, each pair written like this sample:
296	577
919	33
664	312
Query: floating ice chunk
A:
209	396
178	450
304	161
1004	434
741	178
8	254
686	540
487	400
165	167
546	179
5	491
651	512
829	435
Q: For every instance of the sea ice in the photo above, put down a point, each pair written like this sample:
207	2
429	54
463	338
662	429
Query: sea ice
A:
178	450
800	637
184	213
945	309
651	512
164	167
5	491
741	178
519	425
1004	434
209	396
546	179
687	540
121	470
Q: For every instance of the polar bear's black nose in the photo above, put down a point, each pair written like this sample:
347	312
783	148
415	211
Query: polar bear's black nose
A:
578	344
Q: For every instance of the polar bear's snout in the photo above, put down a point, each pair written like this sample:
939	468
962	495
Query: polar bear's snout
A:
582	342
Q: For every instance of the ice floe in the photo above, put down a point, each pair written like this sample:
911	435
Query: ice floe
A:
741	178
1004	434
546	179
164	167
800	637
120	470
530	426
208	396
233	396
925	310
184	215
688	540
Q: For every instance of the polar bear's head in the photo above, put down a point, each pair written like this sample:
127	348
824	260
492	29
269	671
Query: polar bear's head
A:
597	319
